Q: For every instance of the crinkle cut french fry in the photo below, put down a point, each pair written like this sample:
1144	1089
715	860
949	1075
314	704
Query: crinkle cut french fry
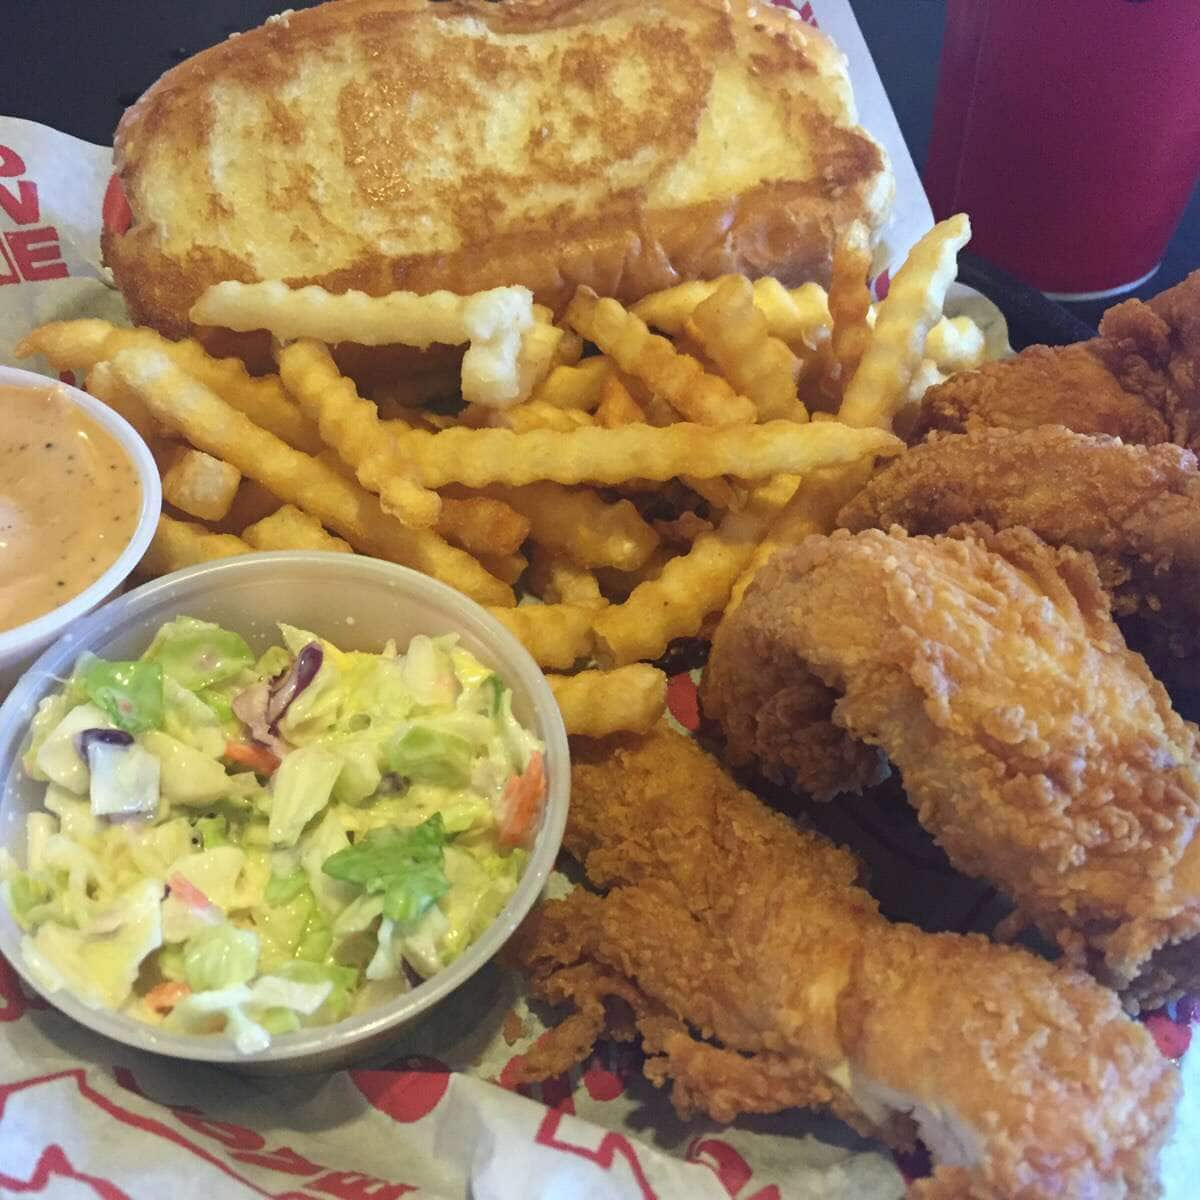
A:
734	334
582	526
799	317
104	385
179	544
913	305
482	524
678	378
197	413
596	703
574	386
537	356
533	414
200	485
556	635
850	304
491	321
813	509
80	345
669	309
352	427
617	406
291	528
690	586
651	409
555	579
398	318
478	457
508	567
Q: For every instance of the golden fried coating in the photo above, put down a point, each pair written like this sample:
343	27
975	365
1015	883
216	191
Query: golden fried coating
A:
1037	749
1139	380
1135	508
760	978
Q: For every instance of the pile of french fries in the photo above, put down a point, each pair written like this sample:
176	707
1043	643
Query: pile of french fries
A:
605	485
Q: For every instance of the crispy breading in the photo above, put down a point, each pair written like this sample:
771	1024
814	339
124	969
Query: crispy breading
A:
1039	751
1135	508
761	978
1139	380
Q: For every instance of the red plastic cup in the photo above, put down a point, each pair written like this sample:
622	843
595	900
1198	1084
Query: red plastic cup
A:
1069	130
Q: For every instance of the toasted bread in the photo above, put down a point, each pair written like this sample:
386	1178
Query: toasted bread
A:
383	144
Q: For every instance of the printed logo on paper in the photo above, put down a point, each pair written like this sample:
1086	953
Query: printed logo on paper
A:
29	249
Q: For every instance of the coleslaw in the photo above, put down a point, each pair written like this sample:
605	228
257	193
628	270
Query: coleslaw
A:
242	845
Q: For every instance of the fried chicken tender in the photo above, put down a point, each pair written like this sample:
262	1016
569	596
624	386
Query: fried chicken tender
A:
1139	380
1135	508
1037	749
760	977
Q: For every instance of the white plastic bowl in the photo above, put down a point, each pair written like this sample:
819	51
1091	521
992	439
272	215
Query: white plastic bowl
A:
20	646
357	603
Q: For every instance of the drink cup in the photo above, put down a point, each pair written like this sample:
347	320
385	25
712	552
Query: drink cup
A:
1070	131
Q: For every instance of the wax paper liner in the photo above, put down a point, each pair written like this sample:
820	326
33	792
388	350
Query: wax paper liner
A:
82	1116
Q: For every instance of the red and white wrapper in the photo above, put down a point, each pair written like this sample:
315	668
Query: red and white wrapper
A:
84	1117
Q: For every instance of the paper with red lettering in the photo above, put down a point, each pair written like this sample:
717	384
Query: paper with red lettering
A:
84	1117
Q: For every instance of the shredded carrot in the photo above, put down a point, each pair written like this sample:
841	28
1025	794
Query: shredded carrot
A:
164	996
523	796
259	758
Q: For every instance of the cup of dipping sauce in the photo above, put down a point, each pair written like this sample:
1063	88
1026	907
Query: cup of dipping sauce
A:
79	502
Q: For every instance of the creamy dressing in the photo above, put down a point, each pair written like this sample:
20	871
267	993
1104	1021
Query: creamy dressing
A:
69	500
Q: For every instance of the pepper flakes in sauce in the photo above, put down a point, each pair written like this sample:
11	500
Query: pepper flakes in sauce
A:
69	501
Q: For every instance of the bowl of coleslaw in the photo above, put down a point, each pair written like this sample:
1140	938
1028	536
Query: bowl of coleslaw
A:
270	810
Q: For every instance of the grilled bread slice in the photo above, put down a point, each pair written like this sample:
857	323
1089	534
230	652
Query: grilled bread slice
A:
382	144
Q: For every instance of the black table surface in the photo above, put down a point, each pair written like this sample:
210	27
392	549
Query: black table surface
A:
77	65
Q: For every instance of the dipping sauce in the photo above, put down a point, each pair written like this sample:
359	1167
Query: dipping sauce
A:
69	500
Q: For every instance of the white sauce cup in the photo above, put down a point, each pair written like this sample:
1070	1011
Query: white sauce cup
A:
20	646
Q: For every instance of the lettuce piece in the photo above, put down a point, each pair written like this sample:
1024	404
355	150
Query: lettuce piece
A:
279	1020
153	848
402	865
23	894
479	888
50	712
430	756
360	776
188	719
300	789
429	673
422	948
58	759
342	983
283	889
318	845
220	957
130	694
460	810
519	742
186	775
273	661
296	929
358	916
470	671
216	873
100	963
197	654
213	831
